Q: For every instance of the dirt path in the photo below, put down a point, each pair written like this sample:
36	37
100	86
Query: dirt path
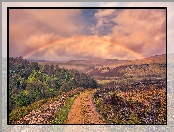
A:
48	110
83	110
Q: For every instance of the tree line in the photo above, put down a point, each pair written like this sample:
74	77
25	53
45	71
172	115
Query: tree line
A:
30	82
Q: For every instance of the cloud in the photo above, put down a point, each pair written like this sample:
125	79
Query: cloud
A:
54	47
142	31
61	34
104	13
73	47
24	23
103	24
170	18
29	29
82	27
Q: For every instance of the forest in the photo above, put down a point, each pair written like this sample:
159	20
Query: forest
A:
30	82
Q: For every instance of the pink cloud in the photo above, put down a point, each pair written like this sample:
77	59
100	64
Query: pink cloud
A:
141	30
47	33
24	23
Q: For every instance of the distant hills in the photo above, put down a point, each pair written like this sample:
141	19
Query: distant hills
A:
36	60
154	66
151	59
98	61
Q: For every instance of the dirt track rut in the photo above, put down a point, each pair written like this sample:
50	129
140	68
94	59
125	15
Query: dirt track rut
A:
83	111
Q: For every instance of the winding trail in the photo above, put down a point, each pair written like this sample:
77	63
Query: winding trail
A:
83	111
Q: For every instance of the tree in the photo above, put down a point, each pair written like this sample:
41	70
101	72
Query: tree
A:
22	100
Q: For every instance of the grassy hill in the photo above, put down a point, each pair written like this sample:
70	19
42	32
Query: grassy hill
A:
151	67
133	92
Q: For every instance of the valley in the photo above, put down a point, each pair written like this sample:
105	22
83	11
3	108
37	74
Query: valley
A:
117	91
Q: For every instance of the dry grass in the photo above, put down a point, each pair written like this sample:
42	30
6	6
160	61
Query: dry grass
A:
129	105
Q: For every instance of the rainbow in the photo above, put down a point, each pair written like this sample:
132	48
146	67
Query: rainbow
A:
63	40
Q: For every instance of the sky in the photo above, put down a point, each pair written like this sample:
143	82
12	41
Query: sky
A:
73	34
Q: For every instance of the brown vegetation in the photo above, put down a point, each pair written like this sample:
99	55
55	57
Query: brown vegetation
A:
136	103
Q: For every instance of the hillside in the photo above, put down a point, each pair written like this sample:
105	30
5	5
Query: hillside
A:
141	102
30	82
128	92
84	65
154	66
97	61
133	92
